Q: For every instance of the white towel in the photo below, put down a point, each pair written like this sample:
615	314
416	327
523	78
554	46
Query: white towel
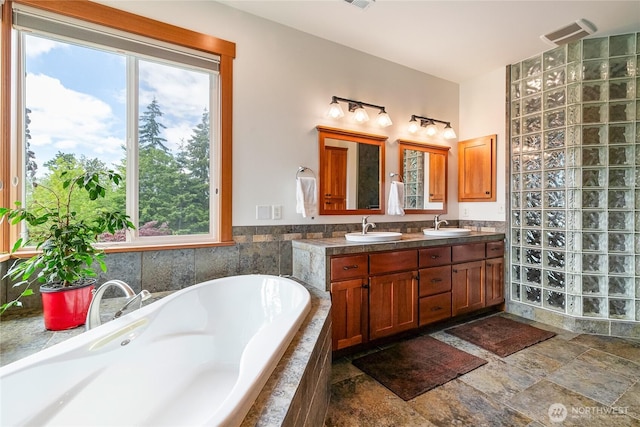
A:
396	199
306	198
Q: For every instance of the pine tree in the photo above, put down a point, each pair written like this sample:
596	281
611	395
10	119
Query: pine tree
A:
195	189
158	172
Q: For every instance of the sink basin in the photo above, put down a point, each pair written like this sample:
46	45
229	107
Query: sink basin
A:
373	236
447	232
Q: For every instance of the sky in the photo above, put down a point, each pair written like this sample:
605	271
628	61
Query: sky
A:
77	97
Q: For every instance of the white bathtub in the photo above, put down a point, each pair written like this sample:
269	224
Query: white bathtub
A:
199	356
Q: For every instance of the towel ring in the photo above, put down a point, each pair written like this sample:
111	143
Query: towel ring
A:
392	174
303	169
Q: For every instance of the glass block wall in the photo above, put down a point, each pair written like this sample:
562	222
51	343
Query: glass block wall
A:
575	179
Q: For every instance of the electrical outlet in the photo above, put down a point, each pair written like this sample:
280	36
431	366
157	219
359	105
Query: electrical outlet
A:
263	212
276	211
465	213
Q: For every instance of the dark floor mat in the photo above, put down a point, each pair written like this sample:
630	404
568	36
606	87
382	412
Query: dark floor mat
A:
500	335
418	365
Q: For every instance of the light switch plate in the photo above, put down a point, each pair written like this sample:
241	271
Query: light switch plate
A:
263	212
276	210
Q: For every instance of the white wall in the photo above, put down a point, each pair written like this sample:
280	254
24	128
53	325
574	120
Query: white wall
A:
283	83
482	112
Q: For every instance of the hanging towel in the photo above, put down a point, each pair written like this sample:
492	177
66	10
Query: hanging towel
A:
396	199
306	198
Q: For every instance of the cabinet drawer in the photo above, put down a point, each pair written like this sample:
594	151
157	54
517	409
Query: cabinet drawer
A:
389	262
495	249
434	308
348	267
468	252
435	280
431	257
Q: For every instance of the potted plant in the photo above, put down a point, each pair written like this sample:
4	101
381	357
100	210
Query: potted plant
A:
65	244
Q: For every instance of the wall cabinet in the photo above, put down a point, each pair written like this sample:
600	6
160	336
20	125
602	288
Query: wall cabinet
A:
477	169
381	294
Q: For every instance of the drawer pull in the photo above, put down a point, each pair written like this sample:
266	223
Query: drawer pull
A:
365	285
436	280
436	308
435	256
495	249
454	270
350	267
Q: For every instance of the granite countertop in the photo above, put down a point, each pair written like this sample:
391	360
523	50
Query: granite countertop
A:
339	245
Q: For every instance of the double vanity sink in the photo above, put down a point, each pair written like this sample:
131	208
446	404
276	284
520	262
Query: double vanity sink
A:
389	236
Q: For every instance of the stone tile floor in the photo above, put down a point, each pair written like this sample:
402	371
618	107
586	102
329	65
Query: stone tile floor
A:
581	380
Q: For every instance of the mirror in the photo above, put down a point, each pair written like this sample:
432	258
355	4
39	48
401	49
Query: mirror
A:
351	172
424	171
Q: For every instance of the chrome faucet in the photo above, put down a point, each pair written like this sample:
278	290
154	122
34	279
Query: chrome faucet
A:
437	222
93	315
366	225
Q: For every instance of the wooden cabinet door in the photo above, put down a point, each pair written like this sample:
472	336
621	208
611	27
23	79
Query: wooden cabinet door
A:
349	303
467	287
437	177
393	304
477	169
334	182
494	281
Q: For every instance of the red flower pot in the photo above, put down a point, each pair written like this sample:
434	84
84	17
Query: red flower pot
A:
66	308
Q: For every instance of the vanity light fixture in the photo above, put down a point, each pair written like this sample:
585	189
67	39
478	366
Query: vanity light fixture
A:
359	113
417	122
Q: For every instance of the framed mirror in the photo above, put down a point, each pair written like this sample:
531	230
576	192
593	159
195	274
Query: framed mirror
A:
351	172
424	170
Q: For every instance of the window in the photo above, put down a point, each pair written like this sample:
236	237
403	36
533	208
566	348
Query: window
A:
94	97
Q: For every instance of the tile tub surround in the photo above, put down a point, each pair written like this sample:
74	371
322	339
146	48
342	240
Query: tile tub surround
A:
311	256
257	250
296	394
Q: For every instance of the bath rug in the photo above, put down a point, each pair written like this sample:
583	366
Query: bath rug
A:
416	366
500	335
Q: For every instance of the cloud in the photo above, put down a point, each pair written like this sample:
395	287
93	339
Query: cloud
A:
68	120
182	94
38	46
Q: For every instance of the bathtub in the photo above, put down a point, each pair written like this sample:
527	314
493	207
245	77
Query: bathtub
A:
199	356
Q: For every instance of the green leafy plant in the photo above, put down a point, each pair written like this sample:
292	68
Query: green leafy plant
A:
65	242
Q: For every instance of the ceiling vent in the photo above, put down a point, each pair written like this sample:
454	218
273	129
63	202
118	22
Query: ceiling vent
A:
572	32
362	4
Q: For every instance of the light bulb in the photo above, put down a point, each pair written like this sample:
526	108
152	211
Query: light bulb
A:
413	125
383	119
449	133
432	129
335	111
360	115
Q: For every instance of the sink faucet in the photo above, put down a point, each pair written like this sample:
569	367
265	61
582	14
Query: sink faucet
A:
437	222
366	225
93	315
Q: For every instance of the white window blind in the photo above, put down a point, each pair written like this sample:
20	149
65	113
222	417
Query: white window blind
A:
69	29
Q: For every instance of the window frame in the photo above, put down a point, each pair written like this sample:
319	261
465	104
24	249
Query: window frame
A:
95	13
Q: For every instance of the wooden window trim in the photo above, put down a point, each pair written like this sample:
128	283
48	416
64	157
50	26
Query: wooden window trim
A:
114	18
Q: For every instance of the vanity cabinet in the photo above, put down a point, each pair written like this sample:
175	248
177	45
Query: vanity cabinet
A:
380	294
349	300
393	293
494	274
434	302
477	276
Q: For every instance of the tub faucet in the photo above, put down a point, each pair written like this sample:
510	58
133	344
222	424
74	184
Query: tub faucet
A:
366	225
93	315
437	222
